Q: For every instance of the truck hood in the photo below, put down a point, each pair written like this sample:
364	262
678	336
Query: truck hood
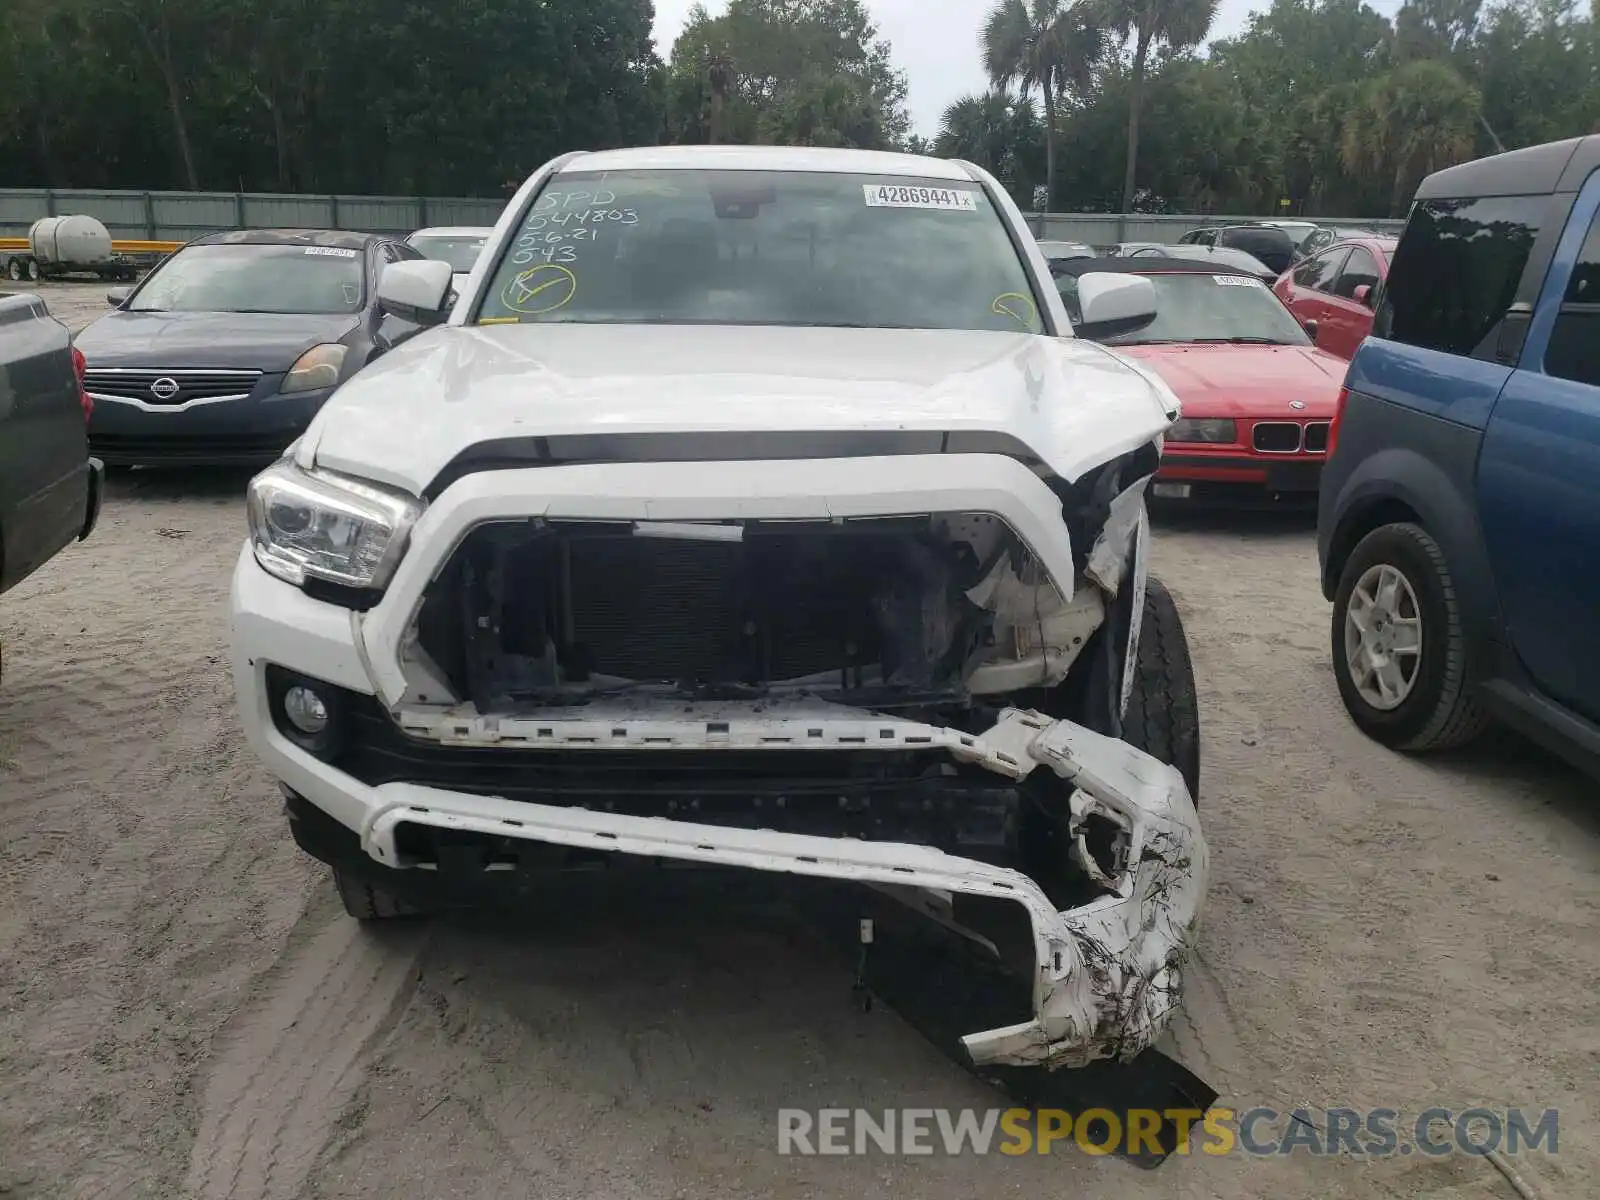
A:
167	341
1247	381
1070	403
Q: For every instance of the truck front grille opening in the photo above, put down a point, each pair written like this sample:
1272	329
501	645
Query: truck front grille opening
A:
550	612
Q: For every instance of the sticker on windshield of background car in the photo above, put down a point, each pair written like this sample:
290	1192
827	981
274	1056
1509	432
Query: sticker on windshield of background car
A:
892	195
1237	281
330	252
539	290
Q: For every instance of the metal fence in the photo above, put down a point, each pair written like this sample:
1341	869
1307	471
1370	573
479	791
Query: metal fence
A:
179	216
1107	229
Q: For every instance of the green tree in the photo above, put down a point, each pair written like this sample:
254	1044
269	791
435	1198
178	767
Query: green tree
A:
1174	24
1418	118
791	71
1000	133
1048	45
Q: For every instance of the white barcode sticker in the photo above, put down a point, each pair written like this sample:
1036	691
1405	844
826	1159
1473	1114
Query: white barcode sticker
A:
1237	281
894	195
330	252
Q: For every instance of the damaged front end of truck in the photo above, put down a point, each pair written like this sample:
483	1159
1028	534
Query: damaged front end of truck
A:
902	674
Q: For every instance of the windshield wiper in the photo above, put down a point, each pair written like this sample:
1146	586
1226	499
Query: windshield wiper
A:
1241	341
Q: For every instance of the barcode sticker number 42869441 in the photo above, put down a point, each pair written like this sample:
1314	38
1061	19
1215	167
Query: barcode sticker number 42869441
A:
892	195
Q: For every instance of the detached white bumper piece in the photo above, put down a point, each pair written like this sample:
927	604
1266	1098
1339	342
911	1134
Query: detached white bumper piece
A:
1107	975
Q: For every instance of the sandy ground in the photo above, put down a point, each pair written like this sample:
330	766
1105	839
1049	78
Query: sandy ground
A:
184	1010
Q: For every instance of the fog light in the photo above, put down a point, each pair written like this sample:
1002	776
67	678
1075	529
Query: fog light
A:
305	710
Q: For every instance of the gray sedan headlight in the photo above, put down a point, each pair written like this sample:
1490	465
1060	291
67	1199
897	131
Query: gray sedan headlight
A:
321	525
1202	429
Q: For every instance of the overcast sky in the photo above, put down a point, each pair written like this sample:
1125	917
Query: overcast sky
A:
935	42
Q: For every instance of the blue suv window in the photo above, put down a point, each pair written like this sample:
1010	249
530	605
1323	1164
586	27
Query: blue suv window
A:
1456	270
1574	350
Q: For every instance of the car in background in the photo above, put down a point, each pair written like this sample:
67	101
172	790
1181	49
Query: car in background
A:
49	486
228	348
1334	292
1298	232
1459	523
1220	256
1268	243
1057	252
1257	395
1324	236
458	245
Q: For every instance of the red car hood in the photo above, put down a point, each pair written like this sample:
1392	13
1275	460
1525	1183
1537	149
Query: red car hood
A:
1246	381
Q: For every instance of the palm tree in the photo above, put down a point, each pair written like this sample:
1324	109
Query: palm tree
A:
1417	119
1176	24
1046	44
979	129
722	77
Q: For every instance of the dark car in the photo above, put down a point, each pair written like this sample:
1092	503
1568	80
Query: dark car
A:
1272	245
1225	257
49	486
1459	520
225	351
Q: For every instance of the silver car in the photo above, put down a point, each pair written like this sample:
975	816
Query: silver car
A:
458	245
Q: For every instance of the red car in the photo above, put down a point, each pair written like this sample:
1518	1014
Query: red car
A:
1257	395
1336	289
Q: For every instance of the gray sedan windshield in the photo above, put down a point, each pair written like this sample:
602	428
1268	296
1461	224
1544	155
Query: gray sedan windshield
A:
246	277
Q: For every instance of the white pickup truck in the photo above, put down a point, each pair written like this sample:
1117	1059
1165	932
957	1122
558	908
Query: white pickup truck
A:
753	508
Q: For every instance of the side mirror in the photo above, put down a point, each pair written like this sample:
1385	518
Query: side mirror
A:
417	290
1311	330
1362	294
117	297
1114	304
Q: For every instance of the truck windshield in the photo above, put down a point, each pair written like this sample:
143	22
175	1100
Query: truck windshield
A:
242	277
762	248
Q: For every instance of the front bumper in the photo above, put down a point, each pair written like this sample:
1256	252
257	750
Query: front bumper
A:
250	431
1238	474
1104	976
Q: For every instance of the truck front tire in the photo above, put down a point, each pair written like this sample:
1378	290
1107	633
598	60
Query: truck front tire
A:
1163	714
365	902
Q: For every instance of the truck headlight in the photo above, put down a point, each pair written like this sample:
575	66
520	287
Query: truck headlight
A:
318	367
1202	429
320	525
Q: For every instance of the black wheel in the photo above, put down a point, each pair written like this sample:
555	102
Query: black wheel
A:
365	902
1399	651
31	268
1163	713
14	270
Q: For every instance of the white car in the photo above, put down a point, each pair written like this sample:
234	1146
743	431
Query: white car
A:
458	245
756	508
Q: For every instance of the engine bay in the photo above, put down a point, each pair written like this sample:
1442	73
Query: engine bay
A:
884	612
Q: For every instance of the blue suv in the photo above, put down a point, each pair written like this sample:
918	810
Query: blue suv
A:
1458	527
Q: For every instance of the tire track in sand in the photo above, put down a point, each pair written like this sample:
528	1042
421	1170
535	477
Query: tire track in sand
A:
290	1062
